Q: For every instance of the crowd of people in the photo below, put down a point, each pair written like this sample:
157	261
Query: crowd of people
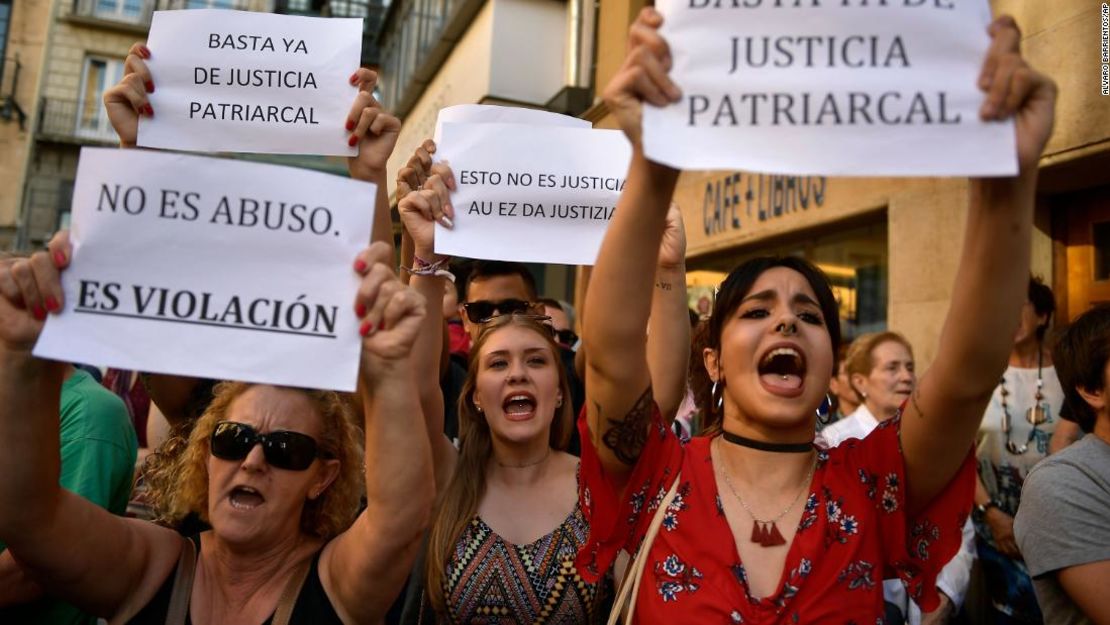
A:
496	467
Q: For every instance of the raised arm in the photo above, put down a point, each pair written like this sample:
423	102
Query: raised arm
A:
47	528
376	133
127	100
419	211
617	377
944	412
668	339
364	568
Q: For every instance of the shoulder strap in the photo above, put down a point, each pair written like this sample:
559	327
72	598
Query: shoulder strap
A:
630	585
289	595
182	584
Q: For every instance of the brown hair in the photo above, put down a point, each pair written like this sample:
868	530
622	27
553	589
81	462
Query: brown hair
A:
459	500
860	358
177	474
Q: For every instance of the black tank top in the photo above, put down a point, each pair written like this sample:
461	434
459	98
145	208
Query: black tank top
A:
312	606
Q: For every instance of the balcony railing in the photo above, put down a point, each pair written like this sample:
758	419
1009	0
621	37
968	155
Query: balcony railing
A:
75	122
127	12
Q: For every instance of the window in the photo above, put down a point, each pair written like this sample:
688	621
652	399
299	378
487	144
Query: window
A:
854	259
5	19
210	4
298	5
120	10
99	75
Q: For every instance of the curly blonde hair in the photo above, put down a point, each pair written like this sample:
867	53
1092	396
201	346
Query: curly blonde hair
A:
177	474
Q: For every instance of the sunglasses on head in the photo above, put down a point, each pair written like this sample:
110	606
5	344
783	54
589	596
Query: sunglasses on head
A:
483	310
283	449
566	337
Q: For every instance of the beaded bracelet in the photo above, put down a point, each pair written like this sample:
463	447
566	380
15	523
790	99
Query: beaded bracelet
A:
422	267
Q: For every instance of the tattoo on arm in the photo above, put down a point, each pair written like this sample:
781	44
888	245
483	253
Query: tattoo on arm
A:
626	437
916	406
664	286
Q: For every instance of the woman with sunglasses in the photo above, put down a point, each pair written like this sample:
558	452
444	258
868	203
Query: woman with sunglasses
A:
764	527
276	472
508	526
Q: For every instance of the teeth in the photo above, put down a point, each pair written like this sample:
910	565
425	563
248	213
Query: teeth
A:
782	351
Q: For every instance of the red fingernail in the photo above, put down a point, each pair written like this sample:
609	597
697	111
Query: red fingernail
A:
59	259
360	309
354	78
149	110
51	304
144	52
360	266
352	141
39	313
150	86
350	126
366	328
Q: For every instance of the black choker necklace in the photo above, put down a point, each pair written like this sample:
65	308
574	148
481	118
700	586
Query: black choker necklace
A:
793	448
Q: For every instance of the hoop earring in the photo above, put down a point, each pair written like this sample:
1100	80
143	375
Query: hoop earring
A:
824	411
713	393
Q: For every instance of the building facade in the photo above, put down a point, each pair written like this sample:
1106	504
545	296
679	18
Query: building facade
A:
530	53
890	246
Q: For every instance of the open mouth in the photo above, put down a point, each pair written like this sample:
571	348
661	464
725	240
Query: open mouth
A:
519	406
245	498
782	370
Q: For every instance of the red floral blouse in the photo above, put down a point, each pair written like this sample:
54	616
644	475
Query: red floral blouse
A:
853	534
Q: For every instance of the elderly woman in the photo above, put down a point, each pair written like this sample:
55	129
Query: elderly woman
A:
880	371
276	472
757	524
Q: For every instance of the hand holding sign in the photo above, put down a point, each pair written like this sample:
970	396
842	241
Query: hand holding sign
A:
421	210
412	176
1014	88
642	77
29	289
374	130
127	100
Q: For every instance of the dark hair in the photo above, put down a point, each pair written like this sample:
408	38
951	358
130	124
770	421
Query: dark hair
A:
1044	303
739	283
482	269
1080	357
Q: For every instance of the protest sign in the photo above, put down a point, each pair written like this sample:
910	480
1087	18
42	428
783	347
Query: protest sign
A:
489	113
212	268
542	194
240	81
831	87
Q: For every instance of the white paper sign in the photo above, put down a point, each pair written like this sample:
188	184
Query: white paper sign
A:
491	114
212	268
542	194
830	87
239	81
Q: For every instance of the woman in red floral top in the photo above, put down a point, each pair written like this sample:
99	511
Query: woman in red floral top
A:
766	527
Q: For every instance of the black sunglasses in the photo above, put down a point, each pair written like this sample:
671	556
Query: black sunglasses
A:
483	310
292	451
566	337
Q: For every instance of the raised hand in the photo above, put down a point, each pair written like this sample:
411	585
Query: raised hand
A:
30	288
1014	88
416	172
672	250
419	210
374	130
643	76
390	313
127	100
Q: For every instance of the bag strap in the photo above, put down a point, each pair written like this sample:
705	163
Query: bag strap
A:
630	585
289	595
182	584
